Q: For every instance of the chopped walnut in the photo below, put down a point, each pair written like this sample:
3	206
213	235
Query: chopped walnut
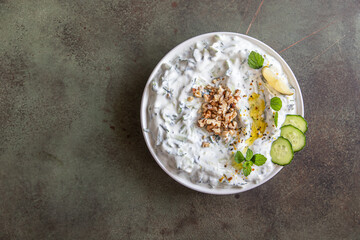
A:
225	134
218	109
207	114
202	122
217	131
205	144
197	92
207	97
216	97
233	125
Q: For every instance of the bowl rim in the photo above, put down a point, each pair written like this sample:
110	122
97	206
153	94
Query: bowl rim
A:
143	116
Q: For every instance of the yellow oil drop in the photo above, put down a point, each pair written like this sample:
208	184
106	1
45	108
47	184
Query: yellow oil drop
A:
257	108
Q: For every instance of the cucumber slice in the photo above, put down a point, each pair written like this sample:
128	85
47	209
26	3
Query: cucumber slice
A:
296	121
281	151
295	136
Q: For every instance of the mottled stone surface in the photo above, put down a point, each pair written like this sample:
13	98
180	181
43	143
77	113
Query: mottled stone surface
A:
73	163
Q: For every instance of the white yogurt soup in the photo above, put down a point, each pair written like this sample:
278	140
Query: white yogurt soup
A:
173	112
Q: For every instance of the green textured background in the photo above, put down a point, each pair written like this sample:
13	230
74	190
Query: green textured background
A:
73	162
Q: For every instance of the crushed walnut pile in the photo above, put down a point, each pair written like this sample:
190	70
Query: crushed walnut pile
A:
218	109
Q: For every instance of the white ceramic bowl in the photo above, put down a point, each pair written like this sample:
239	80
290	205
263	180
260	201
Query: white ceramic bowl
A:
144	102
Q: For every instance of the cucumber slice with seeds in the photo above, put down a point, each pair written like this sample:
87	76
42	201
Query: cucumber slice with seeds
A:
295	136
281	151
296	121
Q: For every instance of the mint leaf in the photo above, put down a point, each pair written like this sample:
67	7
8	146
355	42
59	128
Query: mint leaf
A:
249	154
247	168
239	157
276	118
255	60
258	159
275	103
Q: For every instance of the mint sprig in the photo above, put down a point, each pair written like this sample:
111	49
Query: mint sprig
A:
247	168
249	154
259	159
249	160
276	103
239	157
276	118
255	60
